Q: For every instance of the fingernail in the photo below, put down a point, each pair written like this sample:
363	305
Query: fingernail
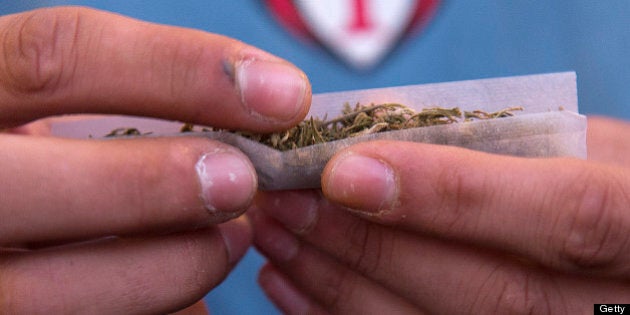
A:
237	236
362	183
282	292
297	211
228	181
273	90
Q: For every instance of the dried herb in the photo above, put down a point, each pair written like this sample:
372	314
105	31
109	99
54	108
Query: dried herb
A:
187	127
354	121
121	132
362	120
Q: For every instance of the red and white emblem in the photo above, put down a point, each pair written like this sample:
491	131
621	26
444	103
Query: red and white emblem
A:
360	32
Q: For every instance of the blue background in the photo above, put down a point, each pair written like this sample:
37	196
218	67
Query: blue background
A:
465	40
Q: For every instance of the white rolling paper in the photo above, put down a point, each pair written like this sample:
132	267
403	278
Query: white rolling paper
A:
549	125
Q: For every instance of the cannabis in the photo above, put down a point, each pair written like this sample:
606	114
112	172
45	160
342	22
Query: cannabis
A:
362	120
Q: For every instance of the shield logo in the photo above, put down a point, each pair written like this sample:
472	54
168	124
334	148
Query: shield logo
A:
359	32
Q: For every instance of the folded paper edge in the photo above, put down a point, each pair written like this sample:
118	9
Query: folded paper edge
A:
274	167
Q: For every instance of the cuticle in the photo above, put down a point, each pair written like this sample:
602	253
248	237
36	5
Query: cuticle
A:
393	179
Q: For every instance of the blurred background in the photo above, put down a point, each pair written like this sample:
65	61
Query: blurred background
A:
449	41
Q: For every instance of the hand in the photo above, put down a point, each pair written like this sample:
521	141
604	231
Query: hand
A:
127	226
417	228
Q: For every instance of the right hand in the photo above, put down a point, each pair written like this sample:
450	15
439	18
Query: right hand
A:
408	228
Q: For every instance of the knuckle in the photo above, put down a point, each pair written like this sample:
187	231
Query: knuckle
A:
369	247
508	290
172	161
184	71
595	237
38	50
180	65
336	288
458	191
206	268
451	185
158	177
332	293
196	275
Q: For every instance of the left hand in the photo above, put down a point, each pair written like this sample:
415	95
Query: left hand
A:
127	226
413	228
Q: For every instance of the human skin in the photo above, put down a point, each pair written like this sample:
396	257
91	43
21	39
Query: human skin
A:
127	226
405	228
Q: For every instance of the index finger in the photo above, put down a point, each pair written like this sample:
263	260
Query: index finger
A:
72	59
566	214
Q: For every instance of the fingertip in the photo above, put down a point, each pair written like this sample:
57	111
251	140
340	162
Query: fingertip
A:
296	210
199	308
228	181
36	128
272	90
237	236
271	239
361	182
282	291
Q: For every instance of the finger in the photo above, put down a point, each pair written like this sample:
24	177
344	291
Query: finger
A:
40	127
564	213
59	189
198	308
329	284
71	59
437	276
283	293
121	276
607	141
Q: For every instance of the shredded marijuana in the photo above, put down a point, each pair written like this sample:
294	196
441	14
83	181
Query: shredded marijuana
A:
362	120
121	132
355	121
